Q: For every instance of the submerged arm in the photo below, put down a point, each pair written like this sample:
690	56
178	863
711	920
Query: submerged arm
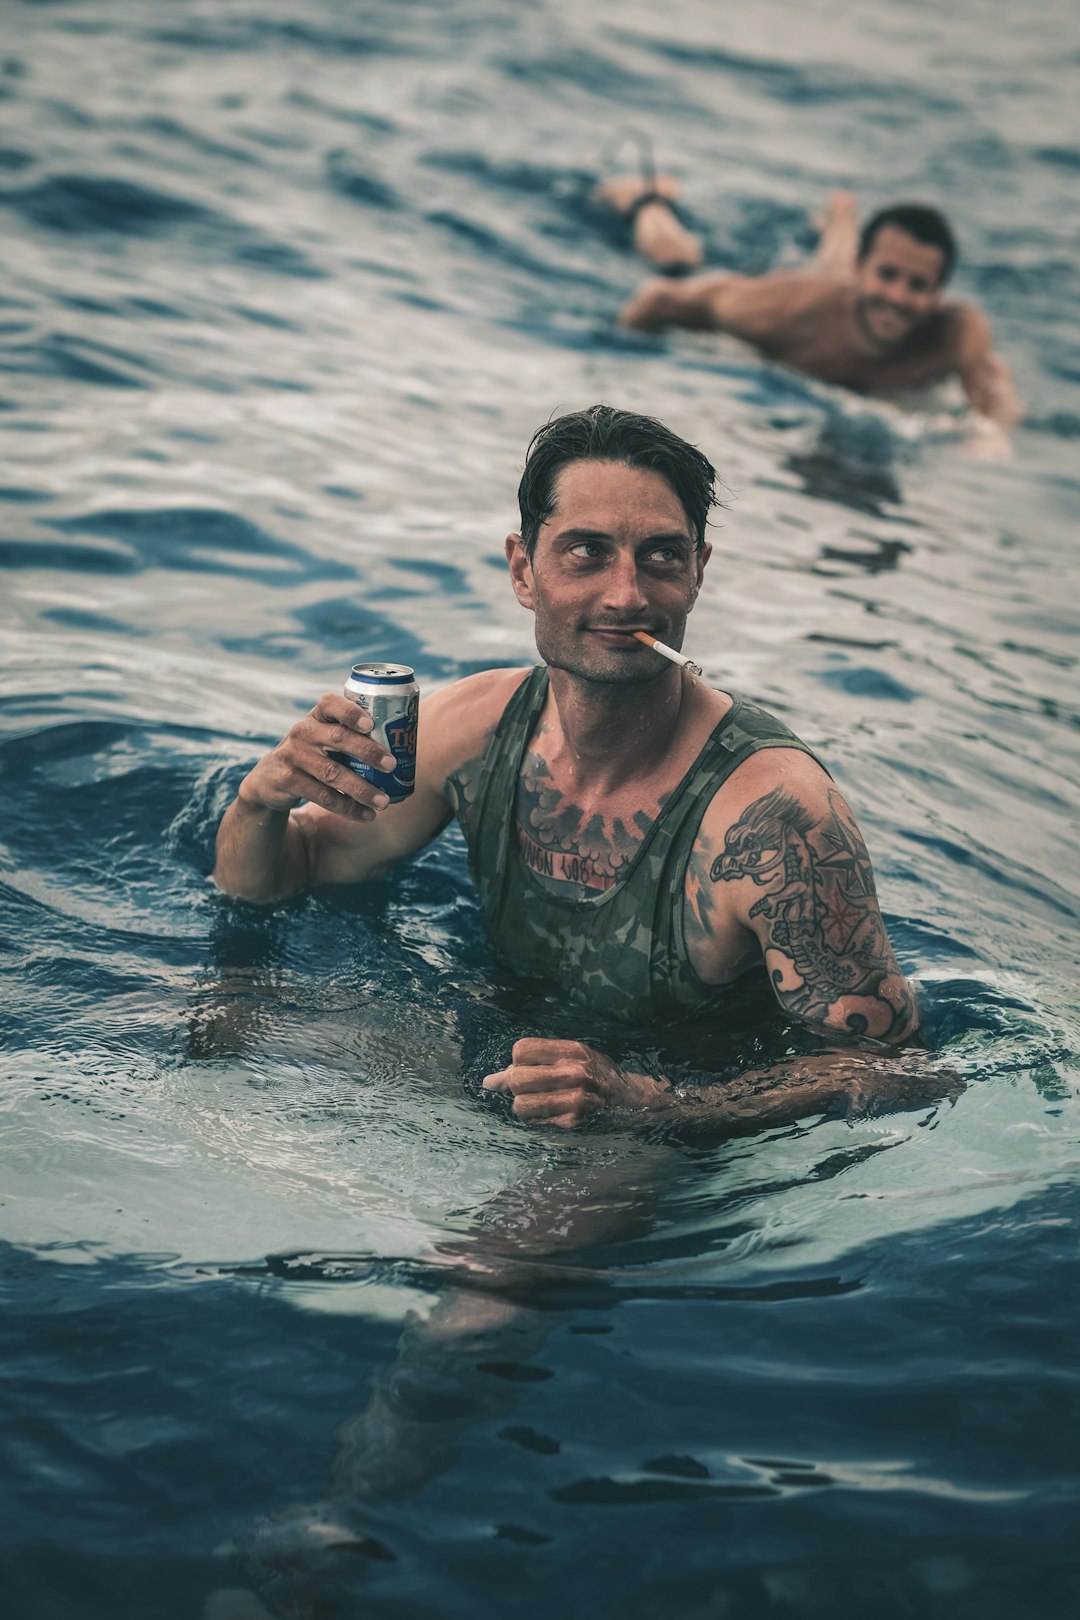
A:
564	1082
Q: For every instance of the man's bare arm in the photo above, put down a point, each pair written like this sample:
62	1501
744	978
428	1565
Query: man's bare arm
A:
985	377
262	851
838	240
793	868
755	308
563	1082
302	818
780	864
663	302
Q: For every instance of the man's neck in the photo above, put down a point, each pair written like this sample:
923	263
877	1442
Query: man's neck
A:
915	340
607	735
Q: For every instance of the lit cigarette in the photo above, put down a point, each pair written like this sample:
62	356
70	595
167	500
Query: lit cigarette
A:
666	652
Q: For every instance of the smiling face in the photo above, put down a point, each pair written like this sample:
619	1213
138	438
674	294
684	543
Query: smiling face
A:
617	554
898	286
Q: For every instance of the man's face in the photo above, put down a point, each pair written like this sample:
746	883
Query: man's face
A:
616	555
898	285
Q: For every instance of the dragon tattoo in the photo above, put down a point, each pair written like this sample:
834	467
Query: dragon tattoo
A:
821	911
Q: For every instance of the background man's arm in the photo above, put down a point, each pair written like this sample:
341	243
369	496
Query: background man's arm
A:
985	377
663	301
749	307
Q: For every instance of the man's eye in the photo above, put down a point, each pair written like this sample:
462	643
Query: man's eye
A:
918	285
886	273
585	548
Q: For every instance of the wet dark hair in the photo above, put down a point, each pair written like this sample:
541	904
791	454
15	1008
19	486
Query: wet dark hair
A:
603	433
926	225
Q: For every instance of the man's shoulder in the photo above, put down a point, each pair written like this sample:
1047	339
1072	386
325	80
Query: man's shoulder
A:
782	777
755	816
806	281
485	689
955	331
969	330
459	718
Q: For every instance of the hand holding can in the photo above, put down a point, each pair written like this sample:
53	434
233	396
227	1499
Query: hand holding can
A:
391	696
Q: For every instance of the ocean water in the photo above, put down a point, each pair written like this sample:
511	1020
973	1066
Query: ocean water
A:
292	1316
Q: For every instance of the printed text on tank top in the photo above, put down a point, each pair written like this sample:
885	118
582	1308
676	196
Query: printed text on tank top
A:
620	950
580	850
570	849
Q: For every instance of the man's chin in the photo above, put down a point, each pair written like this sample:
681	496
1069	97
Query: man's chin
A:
890	335
894	335
616	669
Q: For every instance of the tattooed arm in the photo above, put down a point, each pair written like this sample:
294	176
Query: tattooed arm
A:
563	1082
788	865
780	872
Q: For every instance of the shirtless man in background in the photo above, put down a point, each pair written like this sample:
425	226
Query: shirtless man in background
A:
869	311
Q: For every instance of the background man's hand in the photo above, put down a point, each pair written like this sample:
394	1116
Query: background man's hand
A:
300	767
563	1082
983	439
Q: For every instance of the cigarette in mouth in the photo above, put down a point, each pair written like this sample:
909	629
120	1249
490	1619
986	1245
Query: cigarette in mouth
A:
666	652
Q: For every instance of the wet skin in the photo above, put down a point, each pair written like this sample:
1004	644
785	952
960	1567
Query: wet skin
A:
619	730
881	326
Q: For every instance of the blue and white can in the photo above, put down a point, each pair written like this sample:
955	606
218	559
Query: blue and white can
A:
392	698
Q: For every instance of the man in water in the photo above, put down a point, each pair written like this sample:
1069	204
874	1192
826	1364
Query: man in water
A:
868	313
637	838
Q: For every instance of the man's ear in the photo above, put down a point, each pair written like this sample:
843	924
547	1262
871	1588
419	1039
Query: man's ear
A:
520	569
702	558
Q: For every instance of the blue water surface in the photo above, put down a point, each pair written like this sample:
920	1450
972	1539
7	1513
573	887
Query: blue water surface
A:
295	1321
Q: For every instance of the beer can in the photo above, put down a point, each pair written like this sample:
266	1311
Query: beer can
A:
392	698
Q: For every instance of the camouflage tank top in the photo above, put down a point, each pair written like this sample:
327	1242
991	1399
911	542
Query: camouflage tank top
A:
621	953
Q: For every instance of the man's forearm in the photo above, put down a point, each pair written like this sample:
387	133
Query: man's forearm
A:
992	393
795	1088
261	855
561	1082
264	852
694	303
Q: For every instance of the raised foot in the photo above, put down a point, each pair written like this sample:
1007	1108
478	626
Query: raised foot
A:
622	191
658	232
840	208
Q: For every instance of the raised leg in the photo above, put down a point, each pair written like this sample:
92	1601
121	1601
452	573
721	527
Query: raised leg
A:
659	234
838	243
